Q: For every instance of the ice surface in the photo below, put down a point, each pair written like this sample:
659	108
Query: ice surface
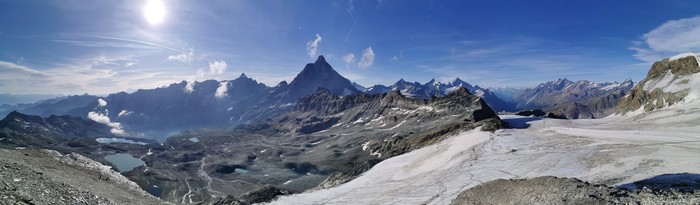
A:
615	150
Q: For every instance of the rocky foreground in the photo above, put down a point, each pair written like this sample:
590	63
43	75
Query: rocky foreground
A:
554	190
34	176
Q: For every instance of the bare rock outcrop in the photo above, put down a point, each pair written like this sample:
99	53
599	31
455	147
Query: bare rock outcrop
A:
666	84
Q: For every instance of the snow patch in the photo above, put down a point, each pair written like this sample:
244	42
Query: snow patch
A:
611	86
365	146
426	108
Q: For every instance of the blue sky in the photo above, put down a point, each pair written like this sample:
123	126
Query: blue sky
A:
99	47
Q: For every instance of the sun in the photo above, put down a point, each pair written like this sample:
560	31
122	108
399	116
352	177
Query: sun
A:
154	11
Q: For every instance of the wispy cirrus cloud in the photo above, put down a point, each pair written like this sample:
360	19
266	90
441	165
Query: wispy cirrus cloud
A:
98	74
9	67
668	39
114	42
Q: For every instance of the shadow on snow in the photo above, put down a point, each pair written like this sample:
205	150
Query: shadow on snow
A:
520	122
685	182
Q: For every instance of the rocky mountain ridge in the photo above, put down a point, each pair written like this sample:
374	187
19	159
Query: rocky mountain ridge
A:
669	81
20	130
434	88
160	112
568	99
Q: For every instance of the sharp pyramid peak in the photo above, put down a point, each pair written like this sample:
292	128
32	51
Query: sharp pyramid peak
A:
320	59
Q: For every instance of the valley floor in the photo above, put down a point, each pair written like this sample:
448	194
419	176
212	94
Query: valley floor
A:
615	151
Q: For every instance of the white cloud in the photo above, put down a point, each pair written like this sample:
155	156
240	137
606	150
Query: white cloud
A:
94	74
189	88
9	67
103	119
221	90
349	58
185	57
367	58
216	67
101	102
312	46
124	113
669	39
98	117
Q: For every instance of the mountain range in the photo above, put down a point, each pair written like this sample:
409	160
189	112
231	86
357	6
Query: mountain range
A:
569	99
186	105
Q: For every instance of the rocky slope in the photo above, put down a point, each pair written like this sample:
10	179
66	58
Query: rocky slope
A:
554	190
324	140
18	129
47	177
599	107
669	81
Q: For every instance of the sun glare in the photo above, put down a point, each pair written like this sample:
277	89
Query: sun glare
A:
154	11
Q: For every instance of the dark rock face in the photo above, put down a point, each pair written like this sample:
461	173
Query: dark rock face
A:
24	130
682	66
649	95
316	75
